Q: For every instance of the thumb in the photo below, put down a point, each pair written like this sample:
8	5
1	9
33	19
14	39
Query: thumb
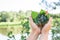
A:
30	19
47	26
50	20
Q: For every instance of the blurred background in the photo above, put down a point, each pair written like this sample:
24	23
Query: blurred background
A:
14	18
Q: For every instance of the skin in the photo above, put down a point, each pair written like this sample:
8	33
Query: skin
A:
36	31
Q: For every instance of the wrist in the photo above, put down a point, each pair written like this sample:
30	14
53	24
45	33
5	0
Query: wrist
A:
44	36
33	35
44	32
36	31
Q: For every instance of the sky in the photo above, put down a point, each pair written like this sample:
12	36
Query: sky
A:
16	5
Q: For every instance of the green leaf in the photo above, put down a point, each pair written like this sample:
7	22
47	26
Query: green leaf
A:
42	12
34	14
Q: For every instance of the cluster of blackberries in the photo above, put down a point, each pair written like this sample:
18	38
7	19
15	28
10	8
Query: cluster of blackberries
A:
42	18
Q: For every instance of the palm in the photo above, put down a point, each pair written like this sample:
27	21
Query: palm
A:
33	25
47	26
45	29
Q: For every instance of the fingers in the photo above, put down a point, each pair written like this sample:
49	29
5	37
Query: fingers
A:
30	19
50	20
32	24
47	26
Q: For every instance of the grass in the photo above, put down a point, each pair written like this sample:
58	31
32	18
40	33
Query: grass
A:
6	24
5	27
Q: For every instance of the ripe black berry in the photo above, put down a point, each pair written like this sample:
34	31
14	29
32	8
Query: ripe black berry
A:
41	18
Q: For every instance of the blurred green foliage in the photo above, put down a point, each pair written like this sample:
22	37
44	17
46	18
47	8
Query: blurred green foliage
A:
23	18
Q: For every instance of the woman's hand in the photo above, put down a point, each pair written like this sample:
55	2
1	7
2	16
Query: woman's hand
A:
47	26
45	30
34	27
35	30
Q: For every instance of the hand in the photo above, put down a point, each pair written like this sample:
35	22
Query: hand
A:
45	30
47	26
34	26
35	30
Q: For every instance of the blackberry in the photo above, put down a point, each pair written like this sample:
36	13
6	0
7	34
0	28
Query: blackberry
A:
41	18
